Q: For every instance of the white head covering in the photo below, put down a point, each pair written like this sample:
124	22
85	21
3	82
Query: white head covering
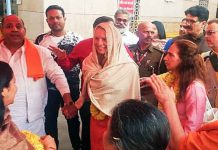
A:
117	80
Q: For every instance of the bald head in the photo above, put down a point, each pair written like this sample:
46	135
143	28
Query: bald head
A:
146	25
12	18
13	32
146	33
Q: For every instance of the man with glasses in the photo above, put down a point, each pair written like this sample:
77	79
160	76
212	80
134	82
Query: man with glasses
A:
211	61
122	19
182	31
196	19
147	56
182	27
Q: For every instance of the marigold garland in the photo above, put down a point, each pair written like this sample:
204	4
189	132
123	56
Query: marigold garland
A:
170	80
96	113
33	139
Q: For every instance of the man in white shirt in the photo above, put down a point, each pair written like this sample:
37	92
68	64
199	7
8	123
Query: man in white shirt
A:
122	19
59	38
30	64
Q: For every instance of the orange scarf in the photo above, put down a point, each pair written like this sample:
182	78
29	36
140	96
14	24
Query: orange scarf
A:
204	138
33	61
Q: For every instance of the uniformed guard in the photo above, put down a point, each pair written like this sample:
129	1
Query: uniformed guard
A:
148	57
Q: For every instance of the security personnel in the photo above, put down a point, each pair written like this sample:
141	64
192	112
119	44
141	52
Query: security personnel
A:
148	57
149	60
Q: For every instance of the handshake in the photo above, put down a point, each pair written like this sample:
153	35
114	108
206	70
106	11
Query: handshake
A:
69	110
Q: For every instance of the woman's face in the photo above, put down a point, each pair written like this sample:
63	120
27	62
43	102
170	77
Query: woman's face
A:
156	35
9	92
172	59
100	41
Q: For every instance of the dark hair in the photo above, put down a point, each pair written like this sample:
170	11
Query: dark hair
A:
102	19
192	65
55	7
160	29
136	125
6	75
198	11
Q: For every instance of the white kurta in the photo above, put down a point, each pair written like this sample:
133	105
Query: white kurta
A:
27	111
129	38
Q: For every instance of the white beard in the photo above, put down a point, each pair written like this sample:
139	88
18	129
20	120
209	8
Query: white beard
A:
122	30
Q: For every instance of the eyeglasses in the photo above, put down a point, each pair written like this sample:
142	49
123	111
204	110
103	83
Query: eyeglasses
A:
210	32
190	21
122	20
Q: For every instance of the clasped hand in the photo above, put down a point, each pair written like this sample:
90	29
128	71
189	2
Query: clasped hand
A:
69	110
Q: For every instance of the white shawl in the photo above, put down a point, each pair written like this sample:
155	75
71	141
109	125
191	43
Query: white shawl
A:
117	80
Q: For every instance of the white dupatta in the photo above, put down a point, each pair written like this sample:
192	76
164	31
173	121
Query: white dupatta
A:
117	80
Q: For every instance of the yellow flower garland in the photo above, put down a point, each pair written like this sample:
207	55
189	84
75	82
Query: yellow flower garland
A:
33	139
170	80
96	113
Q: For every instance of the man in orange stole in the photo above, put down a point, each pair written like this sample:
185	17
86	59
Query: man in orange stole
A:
30	63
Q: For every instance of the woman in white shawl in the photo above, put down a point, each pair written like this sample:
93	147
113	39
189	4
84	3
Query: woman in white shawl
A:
110	76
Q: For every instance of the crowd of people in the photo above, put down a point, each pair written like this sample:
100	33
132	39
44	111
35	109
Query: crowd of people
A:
138	91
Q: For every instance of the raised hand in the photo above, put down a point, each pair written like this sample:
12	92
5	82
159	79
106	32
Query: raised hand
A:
143	82
61	54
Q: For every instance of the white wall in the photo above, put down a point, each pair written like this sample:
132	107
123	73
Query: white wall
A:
81	14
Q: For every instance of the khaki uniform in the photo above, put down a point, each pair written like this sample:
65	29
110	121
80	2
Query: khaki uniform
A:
149	62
